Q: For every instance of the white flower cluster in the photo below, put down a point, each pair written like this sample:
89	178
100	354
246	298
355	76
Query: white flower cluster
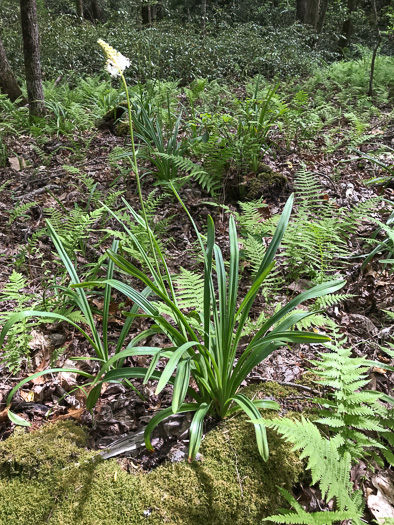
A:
116	62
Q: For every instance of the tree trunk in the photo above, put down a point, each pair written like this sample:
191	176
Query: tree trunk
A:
31	49
79	9
8	83
96	11
145	14
347	28
312	12
375	49
322	15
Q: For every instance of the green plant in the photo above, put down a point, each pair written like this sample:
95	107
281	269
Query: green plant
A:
206	350
350	414
386	245
315	243
300	516
20	211
3	154
159	228
387	167
16	350
84	315
159	150
348	411
329	468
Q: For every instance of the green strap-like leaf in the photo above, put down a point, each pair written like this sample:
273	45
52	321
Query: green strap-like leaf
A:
208	279
181	383
107	299
43	373
138	372
33	313
93	396
317	291
18	420
276	239
261	435
196	430
172	364
83	302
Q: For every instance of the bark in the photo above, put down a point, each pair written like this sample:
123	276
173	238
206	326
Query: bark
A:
322	15
8	83
308	12
312	12
347	28
79	9
31	49
96	11
145	14
375	49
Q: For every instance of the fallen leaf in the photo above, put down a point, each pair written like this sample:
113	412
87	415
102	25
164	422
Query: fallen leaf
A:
75	413
17	163
27	396
378	370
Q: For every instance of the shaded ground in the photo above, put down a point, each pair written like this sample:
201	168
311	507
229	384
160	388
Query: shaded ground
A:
37	175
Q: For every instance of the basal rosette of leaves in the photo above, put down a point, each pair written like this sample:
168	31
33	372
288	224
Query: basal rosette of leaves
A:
205	344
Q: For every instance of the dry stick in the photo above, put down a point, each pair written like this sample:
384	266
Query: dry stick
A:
40	190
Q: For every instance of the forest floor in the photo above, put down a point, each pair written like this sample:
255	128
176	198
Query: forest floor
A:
43	180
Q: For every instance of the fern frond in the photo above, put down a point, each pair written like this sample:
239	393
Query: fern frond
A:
327	301
20	211
305	518
208	182
328	467
190	289
350	411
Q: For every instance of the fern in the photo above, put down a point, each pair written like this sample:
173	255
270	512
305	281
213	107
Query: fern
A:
20	211
206	180
322	303
349	412
16	350
217	154
190	288
74	228
305	518
329	468
159	227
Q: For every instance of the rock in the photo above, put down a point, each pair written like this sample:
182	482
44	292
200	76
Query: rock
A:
364	324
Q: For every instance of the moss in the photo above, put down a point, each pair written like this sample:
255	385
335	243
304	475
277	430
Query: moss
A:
27	454
231	484
265	182
270	389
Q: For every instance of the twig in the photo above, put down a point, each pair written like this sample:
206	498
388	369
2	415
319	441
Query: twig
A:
40	190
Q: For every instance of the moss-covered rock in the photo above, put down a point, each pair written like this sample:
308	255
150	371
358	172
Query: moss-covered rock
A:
27	454
264	182
231	483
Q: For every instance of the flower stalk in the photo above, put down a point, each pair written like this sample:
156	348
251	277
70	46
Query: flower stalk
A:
115	65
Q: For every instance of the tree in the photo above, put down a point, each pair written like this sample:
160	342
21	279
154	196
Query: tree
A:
8	83
96	11
79	9
31	49
347	28
312	12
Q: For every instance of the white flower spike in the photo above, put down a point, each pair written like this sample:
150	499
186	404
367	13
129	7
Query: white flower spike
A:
116	62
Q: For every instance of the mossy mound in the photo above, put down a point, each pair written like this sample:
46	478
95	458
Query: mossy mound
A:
49	448
231	484
265	182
